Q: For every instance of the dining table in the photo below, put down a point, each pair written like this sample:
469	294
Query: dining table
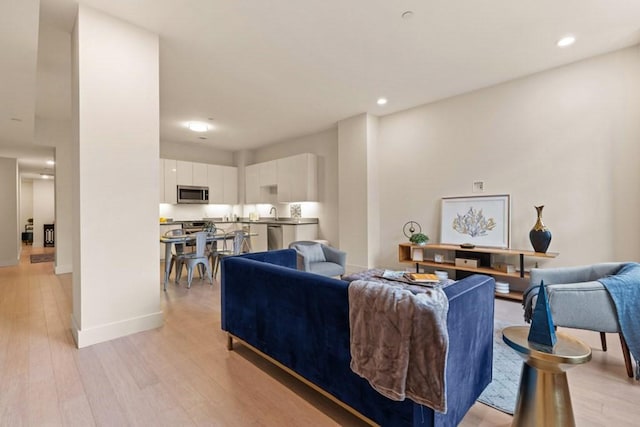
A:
169	241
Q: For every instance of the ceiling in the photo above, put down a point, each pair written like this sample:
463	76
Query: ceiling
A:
267	71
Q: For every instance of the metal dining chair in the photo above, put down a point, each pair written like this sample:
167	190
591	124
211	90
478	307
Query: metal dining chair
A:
240	243
176	249
195	259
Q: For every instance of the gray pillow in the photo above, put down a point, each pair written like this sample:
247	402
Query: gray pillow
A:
313	253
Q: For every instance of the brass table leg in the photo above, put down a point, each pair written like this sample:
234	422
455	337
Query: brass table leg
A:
543	399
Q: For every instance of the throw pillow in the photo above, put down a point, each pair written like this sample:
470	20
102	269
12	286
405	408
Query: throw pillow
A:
313	253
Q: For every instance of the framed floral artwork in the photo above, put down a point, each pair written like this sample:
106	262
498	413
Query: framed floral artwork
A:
479	220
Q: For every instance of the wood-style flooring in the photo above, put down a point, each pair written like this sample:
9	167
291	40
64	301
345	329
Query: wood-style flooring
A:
181	374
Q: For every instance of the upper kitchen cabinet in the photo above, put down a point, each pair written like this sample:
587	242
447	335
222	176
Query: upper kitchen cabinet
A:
297	178
268	173
252	184
190	173
184	172
215	182
230	189
223	184
200	174
260	182
169	169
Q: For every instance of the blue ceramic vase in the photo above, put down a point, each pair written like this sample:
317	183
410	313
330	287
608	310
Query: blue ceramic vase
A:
540	235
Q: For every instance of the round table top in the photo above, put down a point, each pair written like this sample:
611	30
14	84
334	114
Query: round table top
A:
568	350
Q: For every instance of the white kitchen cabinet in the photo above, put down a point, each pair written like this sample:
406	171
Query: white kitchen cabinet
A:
230	188
252	184
215	182
293	233
268	173
223	184
199	176
297	178
259	241
260	182
170	182
184	172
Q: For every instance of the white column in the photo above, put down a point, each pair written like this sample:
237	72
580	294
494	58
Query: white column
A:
115	150
358	192
10	241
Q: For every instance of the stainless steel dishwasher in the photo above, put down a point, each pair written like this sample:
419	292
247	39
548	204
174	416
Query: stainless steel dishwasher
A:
274	237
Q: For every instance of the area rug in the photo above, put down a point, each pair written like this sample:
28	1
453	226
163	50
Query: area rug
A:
503	390
35	258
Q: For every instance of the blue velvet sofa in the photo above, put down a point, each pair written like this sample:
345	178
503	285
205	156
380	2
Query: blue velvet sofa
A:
301	321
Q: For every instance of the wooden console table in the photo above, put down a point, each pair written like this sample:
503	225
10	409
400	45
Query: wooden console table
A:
482	254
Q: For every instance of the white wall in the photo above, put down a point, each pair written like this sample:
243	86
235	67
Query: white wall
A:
9	235
354	190
26	202
325	146
116	286
43	209
202	153
568	139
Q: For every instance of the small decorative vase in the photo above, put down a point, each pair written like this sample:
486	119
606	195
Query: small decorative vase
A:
540	235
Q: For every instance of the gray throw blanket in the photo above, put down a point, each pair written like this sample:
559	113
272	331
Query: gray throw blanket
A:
624	288
399	341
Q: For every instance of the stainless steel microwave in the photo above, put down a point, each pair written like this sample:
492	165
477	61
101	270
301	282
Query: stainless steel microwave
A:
193	194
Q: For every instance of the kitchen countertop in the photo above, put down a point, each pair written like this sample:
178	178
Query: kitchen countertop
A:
269	221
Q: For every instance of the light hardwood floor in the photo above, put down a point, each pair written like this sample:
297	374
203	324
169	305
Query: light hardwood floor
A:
182	374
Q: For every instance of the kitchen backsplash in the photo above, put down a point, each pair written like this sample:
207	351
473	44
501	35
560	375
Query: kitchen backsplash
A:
188	212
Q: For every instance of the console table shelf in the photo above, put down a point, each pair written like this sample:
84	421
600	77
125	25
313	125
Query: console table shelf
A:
405	252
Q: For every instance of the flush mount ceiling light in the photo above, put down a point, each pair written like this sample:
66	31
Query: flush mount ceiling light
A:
381	101
566	41
51	162
45	176
198	126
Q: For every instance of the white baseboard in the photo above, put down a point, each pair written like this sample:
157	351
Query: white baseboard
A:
63	269
110	331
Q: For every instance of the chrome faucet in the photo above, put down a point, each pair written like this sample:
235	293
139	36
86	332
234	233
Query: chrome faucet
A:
275	211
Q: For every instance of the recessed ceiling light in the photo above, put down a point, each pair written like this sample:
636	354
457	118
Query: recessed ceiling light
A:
566	41
16	119
198	126
202	137
382	101
51	162
45	176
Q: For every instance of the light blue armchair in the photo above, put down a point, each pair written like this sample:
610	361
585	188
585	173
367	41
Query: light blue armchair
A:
319	258
577	300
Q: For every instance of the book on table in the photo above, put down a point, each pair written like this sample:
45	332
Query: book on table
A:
422	277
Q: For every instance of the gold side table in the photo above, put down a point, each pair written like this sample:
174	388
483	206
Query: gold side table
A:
543	397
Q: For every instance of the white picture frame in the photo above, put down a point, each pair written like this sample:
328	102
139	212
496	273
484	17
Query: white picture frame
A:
479	220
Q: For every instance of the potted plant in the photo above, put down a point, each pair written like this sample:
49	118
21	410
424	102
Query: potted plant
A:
419	239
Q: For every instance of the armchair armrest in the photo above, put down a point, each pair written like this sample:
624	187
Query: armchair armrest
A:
303	262
335	255
586	273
